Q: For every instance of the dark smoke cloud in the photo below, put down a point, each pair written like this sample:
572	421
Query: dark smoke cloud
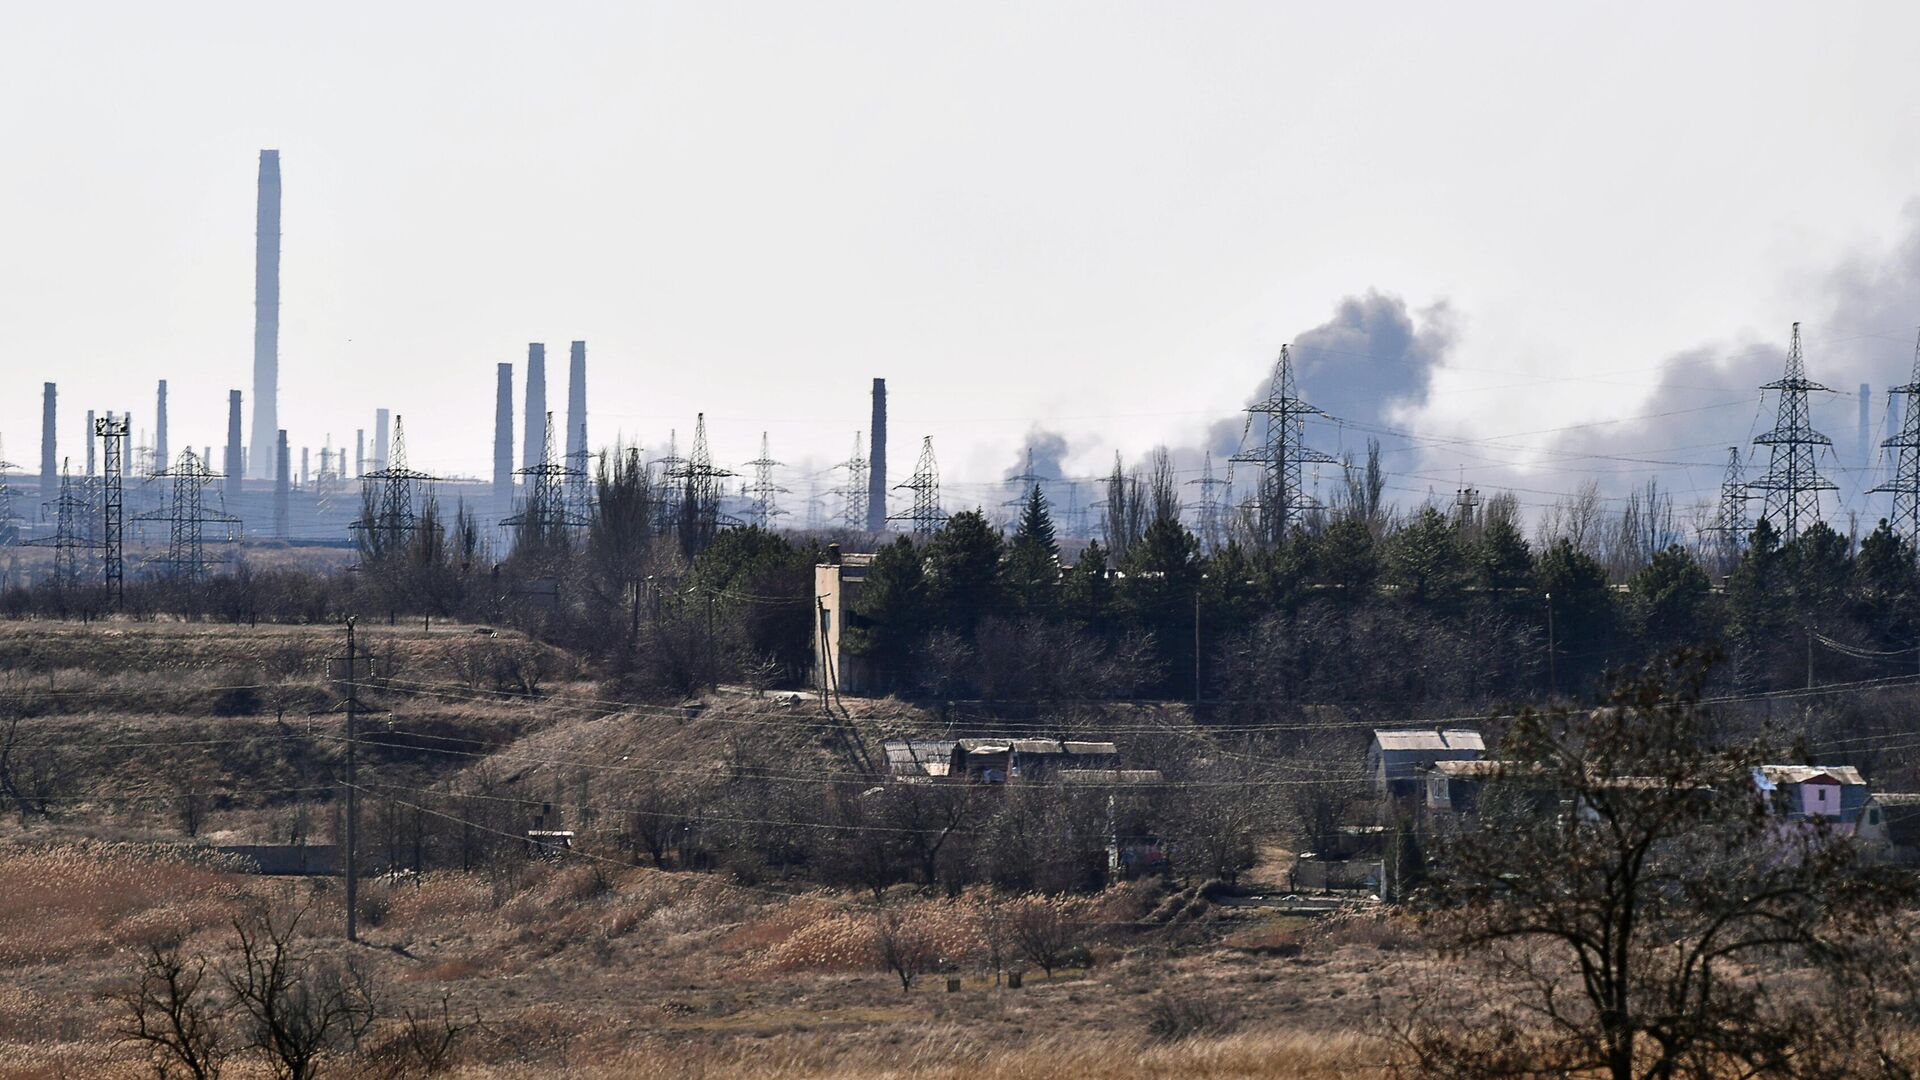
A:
1857	328
1049	450
1368	367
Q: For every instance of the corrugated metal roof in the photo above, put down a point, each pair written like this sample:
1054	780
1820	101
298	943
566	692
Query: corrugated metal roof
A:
1035	746
1469	769
1110	776
1429	739
1800	774
918	757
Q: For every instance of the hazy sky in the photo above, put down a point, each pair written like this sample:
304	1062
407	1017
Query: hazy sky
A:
1099	219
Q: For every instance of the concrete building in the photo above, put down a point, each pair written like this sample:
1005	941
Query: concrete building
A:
836	588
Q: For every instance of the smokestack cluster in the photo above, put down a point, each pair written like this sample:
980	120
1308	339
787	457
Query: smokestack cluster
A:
577	405
235	459
877	461
503	439
160	460
49	441
266	315
534	432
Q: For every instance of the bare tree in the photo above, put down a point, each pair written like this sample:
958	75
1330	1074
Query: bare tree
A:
1651	914
297	1009
903	945
1045	930
171	1010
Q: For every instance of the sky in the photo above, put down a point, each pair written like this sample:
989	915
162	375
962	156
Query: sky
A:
1502	232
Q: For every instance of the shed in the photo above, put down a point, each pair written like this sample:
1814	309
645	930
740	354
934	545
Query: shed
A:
1398	759
918	757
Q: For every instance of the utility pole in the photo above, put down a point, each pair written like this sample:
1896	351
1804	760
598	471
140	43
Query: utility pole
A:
353	786
1553	674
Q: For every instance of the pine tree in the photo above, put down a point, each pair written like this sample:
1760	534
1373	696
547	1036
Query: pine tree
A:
1033	558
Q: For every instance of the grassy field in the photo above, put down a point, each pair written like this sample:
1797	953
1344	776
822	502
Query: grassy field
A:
585	970
589	966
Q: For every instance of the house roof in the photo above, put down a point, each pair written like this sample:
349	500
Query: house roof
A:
1429	739
918	757
1469	769
1035	746
1897	798
1799	774
1110	776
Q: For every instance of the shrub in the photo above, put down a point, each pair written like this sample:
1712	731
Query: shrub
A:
1173	1017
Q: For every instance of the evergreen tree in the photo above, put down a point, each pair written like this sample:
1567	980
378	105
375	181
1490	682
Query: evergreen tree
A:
1426	561
1345	561
1886	587
963	571
1575	587
1089	591
1672	597
889	617
1033	558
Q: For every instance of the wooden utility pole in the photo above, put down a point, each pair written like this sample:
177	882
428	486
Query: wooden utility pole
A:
353	788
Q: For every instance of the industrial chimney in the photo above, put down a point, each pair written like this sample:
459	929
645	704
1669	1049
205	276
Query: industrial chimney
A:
160	461
577	406
280	483
379	439
534	432
877	461
49	439
503	440
88	431
235	463
266	315
359	451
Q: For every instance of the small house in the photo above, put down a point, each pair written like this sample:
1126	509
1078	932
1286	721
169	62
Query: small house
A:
1837	793
1000	761
1399	759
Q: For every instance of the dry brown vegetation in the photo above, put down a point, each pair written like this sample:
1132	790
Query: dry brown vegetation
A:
589	970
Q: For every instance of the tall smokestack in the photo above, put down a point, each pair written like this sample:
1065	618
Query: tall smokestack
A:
235	464
534	433
877	461
125	455
379	439
503	439
49	440
306	477
91	463
359	451
266	314
160	430
281	479
577	405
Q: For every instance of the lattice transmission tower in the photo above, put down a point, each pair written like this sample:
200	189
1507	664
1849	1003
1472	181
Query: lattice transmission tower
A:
71	539
1729	528
388	496
112	432
699	480
1282	455
10	522
1793	483
854	507
187	516
926	517
547	516
1905	485
1208	508
1023	484
763	505
666	509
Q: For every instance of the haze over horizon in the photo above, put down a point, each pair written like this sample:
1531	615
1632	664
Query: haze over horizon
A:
1089	227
